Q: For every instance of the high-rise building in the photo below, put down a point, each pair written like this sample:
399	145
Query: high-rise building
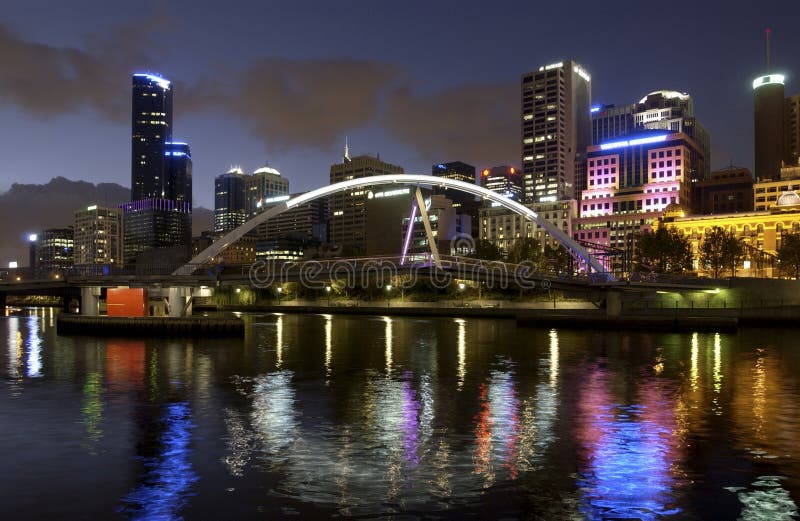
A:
556	129
265	183
346	227
610	121
159	215
54	249
770	142
157	224
659	110
230	206
502	227
727	191
152	129
505	180
466	205
97	236
792	128
178	186
309	220
632	181
455	170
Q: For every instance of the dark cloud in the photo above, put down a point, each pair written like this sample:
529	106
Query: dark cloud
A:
312	102
48	81
478	124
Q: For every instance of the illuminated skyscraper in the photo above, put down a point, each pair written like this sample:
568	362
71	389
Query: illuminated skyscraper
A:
178	162
347	224
230	208
265	183
556	129
151	124
505	180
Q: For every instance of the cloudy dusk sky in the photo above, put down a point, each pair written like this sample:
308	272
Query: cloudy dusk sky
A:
418	82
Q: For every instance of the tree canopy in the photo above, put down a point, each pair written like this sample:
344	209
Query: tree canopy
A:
720	251
664	251
789	255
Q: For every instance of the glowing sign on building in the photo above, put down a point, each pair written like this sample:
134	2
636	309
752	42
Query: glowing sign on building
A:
634	142
768	79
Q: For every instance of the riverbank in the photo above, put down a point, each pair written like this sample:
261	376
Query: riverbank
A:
69	324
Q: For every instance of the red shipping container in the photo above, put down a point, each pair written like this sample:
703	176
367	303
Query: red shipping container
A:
126	302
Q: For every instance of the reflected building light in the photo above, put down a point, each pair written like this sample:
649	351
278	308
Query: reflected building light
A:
92	408
34	348
759	392
426	412
240	443
274	416
553	357
14	348
695	353
410	423
388	334
279	342
328	347
462	352
716	402
169	477
498	428
766	501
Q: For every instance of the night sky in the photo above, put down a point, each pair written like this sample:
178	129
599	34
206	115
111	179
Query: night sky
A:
418	82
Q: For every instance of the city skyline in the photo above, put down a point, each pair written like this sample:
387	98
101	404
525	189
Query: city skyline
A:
417	104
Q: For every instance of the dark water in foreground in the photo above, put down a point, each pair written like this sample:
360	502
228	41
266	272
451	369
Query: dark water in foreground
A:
318	416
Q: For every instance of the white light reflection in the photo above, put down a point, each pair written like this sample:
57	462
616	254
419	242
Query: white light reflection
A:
462	352
716	403
553	357
388	334
14	348
328	347
766	501
279	342
34	348
273	414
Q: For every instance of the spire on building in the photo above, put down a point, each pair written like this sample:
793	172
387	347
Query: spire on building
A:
346	150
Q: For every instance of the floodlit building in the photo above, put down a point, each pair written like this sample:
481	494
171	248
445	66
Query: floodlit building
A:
556	129
505	180
502	227
97	236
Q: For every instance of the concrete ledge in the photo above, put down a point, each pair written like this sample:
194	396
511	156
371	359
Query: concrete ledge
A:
394	311
69	324
649	323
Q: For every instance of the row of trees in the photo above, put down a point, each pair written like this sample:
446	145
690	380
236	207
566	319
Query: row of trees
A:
662	251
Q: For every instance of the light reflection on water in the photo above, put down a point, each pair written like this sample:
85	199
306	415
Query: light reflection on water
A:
382	416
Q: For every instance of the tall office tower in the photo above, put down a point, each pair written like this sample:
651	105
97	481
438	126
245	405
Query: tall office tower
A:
770	149
466	205
455	170
792	128
54	249
505	180
230	208
610	121
178	185
265	183
162	228
347	224
97	236
556	129
152	129
674	111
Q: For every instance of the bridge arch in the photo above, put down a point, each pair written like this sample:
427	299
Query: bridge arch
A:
575	249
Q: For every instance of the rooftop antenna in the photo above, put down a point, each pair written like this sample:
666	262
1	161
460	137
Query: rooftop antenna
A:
346	150
769	34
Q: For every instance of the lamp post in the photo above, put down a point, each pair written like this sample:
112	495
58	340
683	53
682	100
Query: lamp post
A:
461	287
388	289
279	289
328	292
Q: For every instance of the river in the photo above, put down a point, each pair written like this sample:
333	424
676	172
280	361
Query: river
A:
313	416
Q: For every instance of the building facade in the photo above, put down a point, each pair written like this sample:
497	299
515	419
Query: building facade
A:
265	183
152	128
178	186
726	191
55	249
97	236
611	121
503	227
505	180
347	224
230	205
556	129
769	126
631	182
157	224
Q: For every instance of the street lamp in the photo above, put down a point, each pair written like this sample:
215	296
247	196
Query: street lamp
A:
461	287
388	289
279	289
328	292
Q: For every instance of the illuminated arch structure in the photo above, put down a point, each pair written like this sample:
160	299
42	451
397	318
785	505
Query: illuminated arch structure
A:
576	250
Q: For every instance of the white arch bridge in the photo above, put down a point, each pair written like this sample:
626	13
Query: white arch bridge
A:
576	250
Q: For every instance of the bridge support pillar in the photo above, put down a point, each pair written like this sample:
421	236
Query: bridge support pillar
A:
613	304
90	301
179	301
2	301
